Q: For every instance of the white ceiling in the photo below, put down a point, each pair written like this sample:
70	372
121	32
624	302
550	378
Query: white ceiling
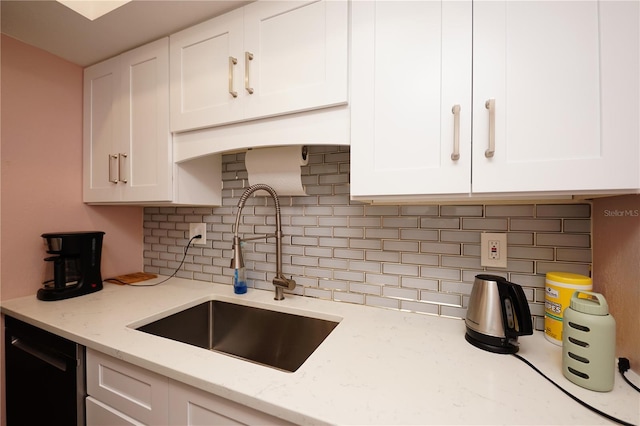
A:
57	29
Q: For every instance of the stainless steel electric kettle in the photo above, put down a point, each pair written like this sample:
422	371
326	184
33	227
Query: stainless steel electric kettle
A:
498	313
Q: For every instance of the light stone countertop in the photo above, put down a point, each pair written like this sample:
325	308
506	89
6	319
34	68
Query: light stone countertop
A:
377	367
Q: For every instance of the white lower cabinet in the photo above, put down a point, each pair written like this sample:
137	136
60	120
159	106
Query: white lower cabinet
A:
120	393
100	414
191	406
124	391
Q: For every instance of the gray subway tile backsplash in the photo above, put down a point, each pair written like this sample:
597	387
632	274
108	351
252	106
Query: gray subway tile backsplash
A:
485	224
564	240
577	225
500	210
462	211
573	255
538	225
419	258
563	210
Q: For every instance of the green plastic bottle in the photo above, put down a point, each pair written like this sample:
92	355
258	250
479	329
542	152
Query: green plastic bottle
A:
589	342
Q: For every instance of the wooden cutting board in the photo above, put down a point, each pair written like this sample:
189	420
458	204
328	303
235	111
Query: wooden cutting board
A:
131	278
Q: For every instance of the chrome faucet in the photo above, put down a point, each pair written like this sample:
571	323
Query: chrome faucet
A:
279	281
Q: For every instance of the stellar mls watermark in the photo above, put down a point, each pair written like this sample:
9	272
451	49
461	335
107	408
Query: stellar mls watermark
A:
622	213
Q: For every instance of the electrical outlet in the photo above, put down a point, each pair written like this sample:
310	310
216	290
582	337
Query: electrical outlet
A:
198	229
493	250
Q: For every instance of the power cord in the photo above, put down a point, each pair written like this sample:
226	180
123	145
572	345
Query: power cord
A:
195	237
623	366
579	401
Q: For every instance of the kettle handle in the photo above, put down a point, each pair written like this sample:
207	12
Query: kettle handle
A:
521	306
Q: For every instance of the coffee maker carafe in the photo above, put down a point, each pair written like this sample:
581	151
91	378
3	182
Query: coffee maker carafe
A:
76	264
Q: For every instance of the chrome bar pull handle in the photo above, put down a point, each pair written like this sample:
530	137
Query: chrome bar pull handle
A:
111	158
48	356
455	156
248	57
120	157
232	61
491	106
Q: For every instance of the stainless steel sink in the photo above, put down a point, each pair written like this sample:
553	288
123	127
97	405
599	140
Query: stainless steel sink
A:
276	339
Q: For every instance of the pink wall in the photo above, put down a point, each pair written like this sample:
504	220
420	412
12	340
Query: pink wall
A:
42	172
41	175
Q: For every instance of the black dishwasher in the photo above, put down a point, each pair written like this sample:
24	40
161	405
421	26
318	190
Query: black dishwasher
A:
45	381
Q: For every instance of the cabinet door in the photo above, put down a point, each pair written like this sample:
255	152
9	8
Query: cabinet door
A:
130	390
99	414
190	406
145	156
411	63
552	70
101	130
620	97
300	56
203	73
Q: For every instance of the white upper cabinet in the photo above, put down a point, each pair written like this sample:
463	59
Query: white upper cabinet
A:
555	98
265	59
101	131
411	98
205	71
563	77
145	123
127	143
300	56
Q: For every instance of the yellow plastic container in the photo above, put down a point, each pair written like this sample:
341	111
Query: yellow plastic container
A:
559	287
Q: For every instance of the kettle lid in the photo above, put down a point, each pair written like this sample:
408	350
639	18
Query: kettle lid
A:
488	277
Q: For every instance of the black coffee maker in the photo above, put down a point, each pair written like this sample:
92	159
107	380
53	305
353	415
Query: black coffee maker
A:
76	264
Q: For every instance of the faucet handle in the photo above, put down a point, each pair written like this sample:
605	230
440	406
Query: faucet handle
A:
281	281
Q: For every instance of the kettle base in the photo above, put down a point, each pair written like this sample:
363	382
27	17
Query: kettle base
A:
492	344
